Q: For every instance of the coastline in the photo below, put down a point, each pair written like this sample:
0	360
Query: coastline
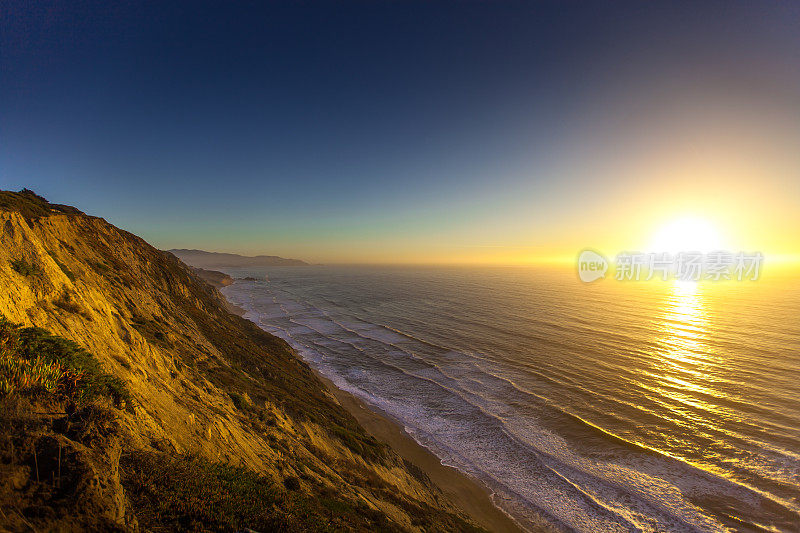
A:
470	496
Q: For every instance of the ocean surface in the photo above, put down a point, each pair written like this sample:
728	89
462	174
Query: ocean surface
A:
611	406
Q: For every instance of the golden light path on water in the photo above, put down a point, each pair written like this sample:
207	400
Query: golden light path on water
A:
687	379
688	367
686	360
685	326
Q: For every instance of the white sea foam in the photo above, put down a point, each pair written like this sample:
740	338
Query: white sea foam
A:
554	414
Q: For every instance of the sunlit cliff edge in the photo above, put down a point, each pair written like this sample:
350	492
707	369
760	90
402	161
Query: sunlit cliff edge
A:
213	400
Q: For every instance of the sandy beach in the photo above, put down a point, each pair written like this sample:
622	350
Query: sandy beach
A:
466	493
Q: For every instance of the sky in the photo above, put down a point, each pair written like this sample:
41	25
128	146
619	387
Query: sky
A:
408	132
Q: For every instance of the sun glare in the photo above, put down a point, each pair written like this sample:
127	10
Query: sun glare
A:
687	234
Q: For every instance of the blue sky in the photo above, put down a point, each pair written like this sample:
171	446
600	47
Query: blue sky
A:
330	130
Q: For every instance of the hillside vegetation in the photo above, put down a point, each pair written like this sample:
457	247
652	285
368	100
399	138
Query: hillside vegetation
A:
132	399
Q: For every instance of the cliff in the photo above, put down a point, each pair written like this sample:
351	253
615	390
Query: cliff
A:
212	277
221	426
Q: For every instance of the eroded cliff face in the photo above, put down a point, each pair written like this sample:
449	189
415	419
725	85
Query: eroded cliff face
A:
202	381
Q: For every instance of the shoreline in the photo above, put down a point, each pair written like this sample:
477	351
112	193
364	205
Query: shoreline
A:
469	495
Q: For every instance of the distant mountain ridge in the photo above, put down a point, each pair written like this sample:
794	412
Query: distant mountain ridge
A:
203	259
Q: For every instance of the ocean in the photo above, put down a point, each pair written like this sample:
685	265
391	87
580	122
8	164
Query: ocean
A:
609	406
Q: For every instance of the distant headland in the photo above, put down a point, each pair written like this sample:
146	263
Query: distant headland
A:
203	259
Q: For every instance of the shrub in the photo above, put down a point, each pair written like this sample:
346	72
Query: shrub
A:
99	267
187	493
360	443
66	303
291	483
30	205
150	330
67	272
34	375
32	360
240	401
22	267
181	492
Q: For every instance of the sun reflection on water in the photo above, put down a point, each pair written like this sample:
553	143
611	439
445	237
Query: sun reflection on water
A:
684	323
687	361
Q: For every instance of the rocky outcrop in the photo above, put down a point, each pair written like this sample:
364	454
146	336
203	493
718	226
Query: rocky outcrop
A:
212	277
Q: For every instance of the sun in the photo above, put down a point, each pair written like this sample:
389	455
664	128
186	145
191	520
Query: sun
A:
686	234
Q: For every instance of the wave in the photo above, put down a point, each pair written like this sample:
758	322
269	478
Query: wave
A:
534	453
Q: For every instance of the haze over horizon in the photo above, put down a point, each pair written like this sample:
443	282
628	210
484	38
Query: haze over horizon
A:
414	132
